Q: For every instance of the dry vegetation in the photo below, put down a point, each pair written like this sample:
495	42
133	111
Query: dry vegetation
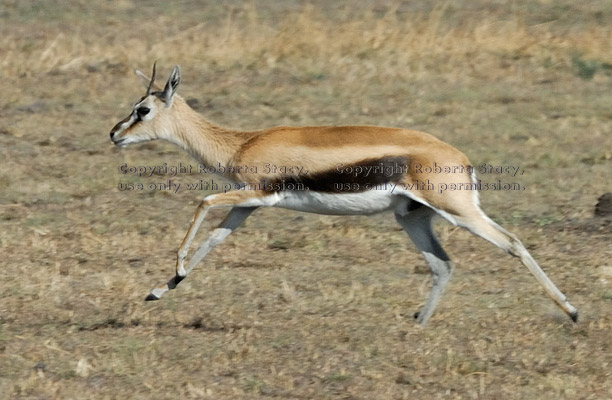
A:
294	305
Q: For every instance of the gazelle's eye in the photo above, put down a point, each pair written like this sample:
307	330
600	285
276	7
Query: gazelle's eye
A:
142	111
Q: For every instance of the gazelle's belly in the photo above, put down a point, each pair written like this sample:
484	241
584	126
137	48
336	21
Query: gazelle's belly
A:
362	203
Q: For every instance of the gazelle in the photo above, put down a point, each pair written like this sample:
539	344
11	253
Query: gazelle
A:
336	170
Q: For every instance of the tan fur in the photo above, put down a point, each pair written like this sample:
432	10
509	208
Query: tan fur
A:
315	148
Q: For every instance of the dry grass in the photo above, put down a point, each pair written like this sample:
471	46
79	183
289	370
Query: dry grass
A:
320	307
403	43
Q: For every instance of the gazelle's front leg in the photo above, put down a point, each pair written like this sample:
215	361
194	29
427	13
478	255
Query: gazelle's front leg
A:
249	200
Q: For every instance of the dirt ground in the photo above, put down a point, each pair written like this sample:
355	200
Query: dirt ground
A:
302	306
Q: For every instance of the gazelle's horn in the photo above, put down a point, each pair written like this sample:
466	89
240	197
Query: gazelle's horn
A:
152	80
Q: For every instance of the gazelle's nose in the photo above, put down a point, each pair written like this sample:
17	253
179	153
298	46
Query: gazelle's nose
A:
118	127
115	138
112	134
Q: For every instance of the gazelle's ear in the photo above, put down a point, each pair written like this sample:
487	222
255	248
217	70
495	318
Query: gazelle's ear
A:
171	86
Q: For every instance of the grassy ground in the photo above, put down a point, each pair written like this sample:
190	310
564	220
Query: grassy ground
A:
296	305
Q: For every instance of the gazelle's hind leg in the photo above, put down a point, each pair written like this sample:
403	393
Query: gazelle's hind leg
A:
417	223
478	223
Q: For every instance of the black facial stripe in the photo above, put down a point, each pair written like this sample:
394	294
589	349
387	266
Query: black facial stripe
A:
118	125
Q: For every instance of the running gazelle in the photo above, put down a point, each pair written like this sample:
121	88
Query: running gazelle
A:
390	169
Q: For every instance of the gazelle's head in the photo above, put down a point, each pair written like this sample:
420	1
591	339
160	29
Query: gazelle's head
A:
151	116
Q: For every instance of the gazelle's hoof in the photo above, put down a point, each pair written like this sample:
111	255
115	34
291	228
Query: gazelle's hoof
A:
574	316
151	297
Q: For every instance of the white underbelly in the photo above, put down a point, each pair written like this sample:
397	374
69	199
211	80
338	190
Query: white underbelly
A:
362	203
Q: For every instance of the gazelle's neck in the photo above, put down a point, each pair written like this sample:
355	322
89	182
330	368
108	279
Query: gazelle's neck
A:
208	143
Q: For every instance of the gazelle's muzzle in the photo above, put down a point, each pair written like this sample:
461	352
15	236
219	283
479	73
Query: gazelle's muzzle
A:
121	126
